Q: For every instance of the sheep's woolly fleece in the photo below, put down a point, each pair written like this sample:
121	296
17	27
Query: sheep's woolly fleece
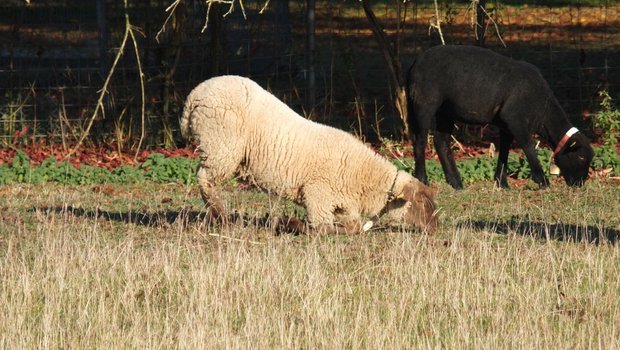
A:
241	128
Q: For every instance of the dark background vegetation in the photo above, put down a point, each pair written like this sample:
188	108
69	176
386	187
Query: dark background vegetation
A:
55	55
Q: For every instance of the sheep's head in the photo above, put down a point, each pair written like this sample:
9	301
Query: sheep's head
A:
574	160
414	206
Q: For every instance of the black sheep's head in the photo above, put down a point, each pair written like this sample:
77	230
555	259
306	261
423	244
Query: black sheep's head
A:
574	160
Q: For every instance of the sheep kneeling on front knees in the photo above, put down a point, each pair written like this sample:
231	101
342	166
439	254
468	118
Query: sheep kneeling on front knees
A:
239	127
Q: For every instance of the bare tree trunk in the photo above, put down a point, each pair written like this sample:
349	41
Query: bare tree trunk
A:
172	55
392	59
215	27
310	79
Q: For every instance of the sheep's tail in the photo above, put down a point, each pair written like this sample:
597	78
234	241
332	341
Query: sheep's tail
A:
186	117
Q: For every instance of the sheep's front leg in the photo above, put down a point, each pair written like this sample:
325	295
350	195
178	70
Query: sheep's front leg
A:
295	225
209	191
524	139
538	174
322	218
347	228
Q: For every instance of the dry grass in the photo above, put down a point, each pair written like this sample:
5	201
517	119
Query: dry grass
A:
122	268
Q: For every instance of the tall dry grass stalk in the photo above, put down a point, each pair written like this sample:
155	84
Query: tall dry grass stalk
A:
74	281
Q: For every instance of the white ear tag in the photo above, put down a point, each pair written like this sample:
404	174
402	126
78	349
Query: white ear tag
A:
367	226
554	169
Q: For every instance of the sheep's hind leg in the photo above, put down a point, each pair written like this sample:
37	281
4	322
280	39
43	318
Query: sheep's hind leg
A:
442	146
419	151
505	139
210	193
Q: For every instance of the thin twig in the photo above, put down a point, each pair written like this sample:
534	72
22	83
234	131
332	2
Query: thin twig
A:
142	91
235	239
495	25
13	114
472	7
397	158
459	145
231	8
170	9
264	7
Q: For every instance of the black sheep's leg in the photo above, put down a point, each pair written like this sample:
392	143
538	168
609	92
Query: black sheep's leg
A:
505	139
538	175
444	151
523	138
419	152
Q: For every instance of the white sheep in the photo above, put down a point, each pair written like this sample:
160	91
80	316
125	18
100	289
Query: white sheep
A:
241	128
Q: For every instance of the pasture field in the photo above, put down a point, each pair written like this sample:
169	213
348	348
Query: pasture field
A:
138	267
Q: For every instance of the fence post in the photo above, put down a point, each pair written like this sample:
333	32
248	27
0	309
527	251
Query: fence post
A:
102	26
310	79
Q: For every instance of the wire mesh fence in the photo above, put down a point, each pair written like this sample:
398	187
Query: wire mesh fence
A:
55	57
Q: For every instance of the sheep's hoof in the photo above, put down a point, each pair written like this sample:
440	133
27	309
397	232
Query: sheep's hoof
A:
290	225
367	226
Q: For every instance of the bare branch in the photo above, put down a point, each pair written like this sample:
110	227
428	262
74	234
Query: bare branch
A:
99	107
231	8
170	9
104	90
472	7
436	24
209	3
495	25
264	7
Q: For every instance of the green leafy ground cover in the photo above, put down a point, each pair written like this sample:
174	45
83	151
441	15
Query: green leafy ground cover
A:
161	169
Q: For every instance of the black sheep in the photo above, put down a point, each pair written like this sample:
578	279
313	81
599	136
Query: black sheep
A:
473	85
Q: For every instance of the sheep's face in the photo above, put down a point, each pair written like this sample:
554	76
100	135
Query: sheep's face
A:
415	207
574	160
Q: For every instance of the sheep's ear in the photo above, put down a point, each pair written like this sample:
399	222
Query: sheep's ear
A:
411	189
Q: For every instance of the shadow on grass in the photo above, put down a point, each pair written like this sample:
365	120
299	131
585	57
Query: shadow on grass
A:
520	226
278	225
157	219
544	230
